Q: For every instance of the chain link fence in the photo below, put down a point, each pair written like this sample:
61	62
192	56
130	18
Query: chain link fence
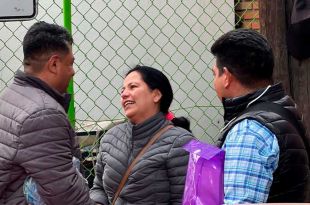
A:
112	36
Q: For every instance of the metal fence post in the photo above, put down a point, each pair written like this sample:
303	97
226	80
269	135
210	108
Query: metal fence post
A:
67	25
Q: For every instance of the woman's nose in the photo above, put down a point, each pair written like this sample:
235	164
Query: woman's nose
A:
124	94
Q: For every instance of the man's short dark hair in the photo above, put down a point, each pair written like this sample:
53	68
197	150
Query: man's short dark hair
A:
43	38
246	54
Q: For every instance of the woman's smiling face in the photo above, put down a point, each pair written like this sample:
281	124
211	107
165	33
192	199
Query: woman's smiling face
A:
139	102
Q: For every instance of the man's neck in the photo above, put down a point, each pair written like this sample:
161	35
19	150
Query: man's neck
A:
239	90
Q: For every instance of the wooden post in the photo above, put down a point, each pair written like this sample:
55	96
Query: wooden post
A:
274	19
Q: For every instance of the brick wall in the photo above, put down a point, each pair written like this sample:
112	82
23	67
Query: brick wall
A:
247	14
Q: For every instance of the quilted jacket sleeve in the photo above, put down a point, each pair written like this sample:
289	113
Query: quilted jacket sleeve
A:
97	192
45	152
177	168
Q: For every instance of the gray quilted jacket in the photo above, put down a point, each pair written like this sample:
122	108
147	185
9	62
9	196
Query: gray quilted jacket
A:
37	140
157	178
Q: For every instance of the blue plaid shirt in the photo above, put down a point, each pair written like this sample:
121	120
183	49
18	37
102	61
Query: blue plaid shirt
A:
252	155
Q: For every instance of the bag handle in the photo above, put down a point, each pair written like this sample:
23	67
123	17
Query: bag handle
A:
126	175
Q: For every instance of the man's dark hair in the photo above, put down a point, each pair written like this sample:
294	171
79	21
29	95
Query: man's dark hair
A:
246	54
43	38
155	79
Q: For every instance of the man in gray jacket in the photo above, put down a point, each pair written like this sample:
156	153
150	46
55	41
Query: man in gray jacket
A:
36	138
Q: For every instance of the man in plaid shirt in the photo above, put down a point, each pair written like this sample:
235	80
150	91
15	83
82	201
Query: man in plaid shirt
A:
267	150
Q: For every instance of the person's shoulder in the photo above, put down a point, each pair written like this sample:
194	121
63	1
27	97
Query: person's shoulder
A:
178	134
117	134
115	131
117	127
30	99
179	131
21	102
176	137
252	129
250	125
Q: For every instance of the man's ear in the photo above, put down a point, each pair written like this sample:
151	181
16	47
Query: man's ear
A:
156	95
228	77
53	63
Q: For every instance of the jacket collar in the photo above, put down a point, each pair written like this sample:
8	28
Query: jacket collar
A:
234	106
22	78
149	127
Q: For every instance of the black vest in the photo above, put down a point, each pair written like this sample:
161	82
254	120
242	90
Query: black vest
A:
291	180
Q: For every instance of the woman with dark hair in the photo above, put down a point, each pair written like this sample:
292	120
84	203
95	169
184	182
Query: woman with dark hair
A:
155	175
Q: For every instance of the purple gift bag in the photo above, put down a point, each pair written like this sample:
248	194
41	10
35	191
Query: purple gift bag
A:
205	174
